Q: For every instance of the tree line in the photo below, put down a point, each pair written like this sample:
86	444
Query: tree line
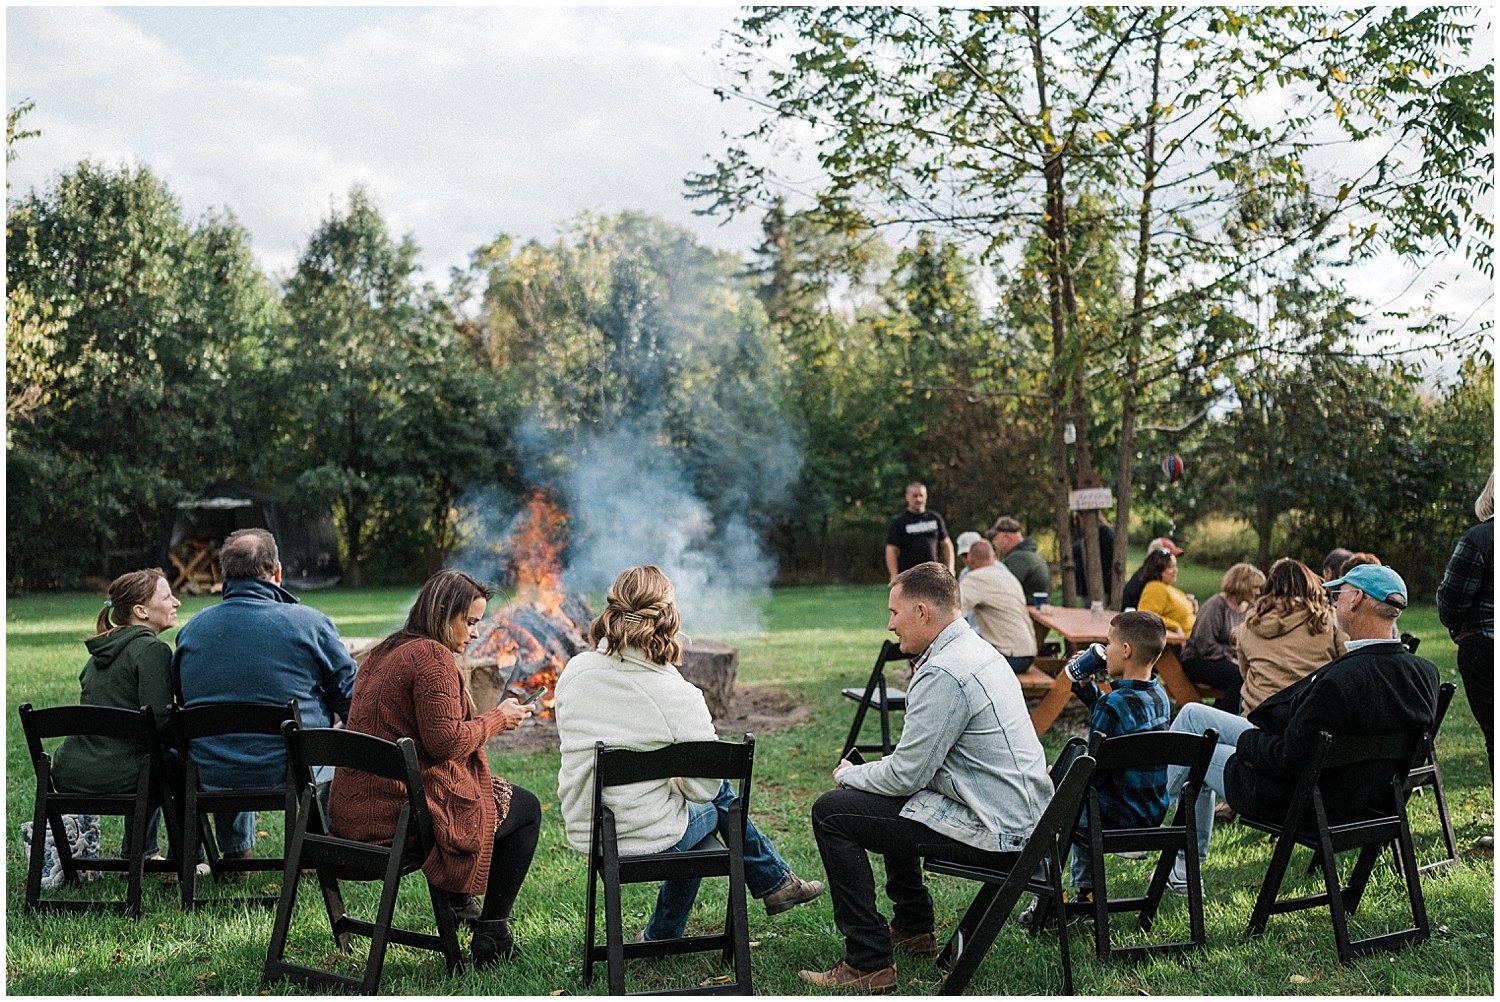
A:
957	295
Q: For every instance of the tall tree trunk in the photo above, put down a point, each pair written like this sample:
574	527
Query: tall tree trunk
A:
1065	359
354	528
1133	341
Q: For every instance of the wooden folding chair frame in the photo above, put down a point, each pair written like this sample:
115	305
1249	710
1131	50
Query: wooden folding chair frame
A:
338	859
729	760
136	726
1306	823
1429	774
1000	890
877	695
218	720
1137	751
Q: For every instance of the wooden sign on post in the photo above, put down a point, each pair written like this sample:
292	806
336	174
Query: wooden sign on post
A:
1093	499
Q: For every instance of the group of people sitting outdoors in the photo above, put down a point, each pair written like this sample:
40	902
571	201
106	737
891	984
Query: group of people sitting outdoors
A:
967	781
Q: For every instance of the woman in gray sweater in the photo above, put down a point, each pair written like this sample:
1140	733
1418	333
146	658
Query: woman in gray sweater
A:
1209	655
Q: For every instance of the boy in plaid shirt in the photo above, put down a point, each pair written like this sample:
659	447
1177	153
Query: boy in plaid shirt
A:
1130	798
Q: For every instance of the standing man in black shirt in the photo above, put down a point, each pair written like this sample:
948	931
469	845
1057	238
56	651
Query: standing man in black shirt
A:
916	535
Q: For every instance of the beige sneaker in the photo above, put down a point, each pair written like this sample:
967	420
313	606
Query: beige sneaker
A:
880	982
792	892
918	944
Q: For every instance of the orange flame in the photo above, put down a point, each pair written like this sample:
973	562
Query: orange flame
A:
534	553
532	558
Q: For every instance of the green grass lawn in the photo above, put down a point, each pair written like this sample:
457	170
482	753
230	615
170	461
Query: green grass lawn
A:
819	638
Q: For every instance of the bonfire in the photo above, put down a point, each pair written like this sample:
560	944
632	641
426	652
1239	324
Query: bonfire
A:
532	638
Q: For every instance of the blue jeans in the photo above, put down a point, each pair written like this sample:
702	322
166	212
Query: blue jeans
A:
236	831
1195	718
764	867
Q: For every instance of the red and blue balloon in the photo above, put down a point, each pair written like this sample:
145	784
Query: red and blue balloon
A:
1171	467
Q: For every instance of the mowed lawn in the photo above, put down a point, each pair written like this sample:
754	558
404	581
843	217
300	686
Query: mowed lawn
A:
817	640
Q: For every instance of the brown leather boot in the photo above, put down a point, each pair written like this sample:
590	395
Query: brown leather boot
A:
790	893
918	944
880	982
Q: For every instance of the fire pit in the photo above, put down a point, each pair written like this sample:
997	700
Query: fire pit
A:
526	644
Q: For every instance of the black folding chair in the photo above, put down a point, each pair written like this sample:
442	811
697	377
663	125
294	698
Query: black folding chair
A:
697	760
1037	869
338	859
1146	750
135	729
1306	823
875	695
1426	774
212	720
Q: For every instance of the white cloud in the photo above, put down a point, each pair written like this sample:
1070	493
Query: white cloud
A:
464	122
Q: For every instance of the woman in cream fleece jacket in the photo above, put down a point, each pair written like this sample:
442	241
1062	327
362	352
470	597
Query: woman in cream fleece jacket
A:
628	693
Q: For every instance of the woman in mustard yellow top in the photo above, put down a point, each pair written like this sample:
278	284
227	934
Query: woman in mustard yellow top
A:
1162	597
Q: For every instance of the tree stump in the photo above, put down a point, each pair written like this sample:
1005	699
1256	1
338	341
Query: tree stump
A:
486	682
711	666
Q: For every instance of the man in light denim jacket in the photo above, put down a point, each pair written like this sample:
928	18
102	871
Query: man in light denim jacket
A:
967	782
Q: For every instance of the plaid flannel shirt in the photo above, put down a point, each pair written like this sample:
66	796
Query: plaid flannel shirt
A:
1466	597
1130	798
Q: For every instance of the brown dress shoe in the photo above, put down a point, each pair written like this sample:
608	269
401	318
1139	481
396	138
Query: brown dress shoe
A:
918	944
880	982
790	893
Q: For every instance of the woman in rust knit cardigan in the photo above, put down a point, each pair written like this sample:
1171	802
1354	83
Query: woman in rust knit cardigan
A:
484	828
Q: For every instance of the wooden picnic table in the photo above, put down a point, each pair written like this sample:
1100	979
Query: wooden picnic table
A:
1080	627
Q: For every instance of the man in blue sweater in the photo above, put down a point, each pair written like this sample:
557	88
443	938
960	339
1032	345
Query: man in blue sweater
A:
258	645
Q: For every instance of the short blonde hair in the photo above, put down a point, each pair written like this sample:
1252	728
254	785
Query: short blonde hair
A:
1241	580
640	611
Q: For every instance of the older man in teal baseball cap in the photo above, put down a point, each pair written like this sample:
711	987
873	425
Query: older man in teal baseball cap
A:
1376	687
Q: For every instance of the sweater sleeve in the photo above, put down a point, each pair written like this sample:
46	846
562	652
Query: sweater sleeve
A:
1170	604
694	723
438	702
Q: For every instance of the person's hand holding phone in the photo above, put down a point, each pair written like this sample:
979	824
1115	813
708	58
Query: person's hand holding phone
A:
851	757
509	714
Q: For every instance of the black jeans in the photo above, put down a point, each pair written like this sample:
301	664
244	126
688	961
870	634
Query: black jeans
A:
1221	673
1476	666
515	844
850	824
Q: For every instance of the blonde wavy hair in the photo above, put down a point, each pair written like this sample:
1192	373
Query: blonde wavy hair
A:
1241	581
639	611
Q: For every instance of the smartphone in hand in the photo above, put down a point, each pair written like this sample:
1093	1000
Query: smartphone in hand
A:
535	697
853	757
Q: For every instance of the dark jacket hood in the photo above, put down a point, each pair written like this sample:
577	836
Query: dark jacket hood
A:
107	647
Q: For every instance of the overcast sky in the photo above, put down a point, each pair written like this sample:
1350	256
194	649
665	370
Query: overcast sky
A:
464	122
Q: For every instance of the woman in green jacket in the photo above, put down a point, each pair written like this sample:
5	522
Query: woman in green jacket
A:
128	667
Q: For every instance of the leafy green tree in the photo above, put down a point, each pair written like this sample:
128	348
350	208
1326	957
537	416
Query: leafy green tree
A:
990	123
382	417
826	300
128	331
